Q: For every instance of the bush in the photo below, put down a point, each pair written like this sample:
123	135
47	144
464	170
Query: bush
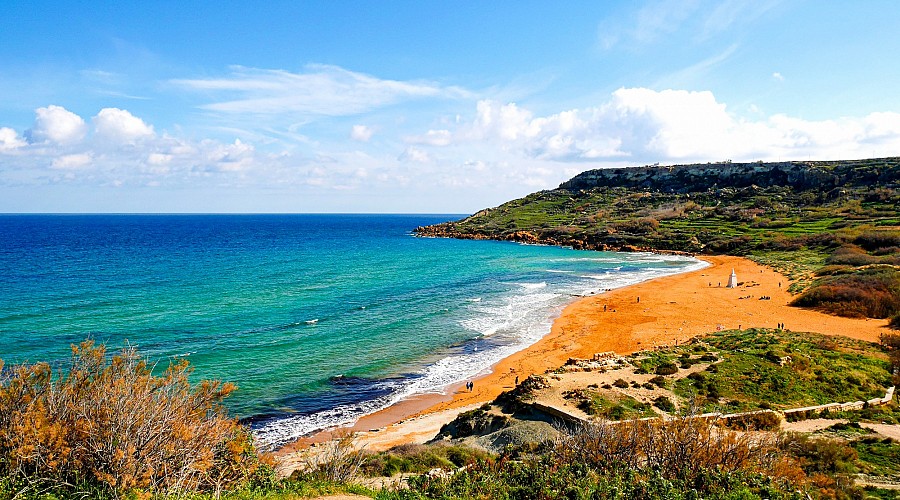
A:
418	458
658	381
873	293
664	403
759	421
620	383
108	424
666	369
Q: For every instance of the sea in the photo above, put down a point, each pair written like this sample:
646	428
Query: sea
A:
318	319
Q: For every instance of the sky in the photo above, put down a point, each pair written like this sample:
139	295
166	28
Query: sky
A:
421	106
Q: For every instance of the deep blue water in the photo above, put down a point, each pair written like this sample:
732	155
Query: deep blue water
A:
317	318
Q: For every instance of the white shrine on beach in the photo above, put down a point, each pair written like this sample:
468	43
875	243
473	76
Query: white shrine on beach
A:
732	280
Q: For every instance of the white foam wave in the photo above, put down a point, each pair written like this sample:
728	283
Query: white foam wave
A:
311	321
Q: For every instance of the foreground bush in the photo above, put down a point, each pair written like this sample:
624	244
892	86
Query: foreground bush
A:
681	458
107	425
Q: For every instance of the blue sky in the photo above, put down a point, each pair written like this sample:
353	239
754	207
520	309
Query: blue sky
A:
421	106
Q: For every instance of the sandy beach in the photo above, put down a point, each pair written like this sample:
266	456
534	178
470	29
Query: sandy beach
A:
660	312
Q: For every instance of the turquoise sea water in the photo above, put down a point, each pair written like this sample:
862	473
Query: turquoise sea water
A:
318	319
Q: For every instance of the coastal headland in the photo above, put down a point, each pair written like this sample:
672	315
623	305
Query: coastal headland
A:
653	314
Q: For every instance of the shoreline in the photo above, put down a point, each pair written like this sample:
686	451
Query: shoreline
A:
655	313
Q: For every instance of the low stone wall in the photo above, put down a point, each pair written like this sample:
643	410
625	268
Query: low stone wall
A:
791	415
811	411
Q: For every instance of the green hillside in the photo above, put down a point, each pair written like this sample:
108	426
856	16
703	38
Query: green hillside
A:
834	227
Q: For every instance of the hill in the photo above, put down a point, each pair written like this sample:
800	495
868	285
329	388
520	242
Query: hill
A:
832	226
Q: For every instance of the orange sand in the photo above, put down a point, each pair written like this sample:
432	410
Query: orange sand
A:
671	310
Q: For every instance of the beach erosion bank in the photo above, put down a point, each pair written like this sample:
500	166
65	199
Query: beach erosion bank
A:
660	312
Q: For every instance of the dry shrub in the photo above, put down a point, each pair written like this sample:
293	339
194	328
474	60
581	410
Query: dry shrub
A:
756	421
851	255
873	293
109	424
337	460
679	448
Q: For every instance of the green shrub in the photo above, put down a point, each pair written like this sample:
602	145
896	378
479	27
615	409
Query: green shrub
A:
664	403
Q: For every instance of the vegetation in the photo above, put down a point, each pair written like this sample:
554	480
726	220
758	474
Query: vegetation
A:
832	227
774	369
682	458
419	459
107	426
619	407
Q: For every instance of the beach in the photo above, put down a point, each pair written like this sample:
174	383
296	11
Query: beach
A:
657	313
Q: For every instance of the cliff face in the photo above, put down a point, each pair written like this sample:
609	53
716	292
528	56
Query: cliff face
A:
800	176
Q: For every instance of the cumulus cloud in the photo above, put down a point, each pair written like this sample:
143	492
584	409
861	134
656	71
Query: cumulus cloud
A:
10	140
57	125
320	90
120	127
361	133
639	124
778	76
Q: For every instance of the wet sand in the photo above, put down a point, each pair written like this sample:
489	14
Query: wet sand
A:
656	313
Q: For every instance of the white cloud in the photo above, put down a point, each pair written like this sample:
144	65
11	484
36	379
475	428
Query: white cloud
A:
441	137
726	13
361	133
57	125
72	161
498	149
320	90
233	157
778	76
159	158
415	155
660	20
120	127
10	140
644	125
